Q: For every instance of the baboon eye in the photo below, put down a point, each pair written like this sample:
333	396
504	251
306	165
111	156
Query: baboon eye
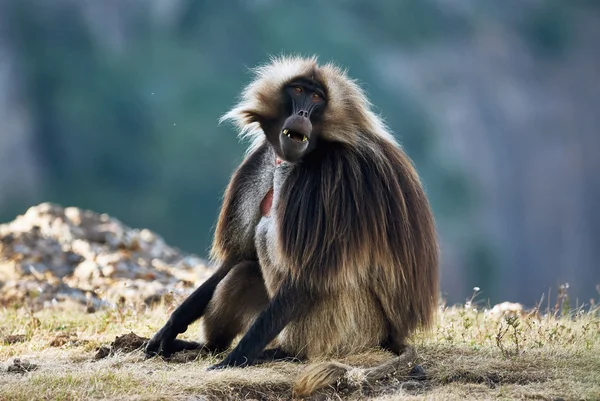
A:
297	89
316	96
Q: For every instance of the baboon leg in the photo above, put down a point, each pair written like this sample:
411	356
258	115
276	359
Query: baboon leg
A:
182	345
237	301
189	311
292	301
394	343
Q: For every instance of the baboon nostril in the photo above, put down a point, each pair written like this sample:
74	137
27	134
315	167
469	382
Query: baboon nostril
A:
303	113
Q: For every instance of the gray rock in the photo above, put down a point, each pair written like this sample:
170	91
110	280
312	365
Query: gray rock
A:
52	254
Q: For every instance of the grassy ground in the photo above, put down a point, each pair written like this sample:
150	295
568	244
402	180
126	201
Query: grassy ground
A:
470	355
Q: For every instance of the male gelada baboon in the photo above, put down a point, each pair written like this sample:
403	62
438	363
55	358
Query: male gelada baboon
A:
325	243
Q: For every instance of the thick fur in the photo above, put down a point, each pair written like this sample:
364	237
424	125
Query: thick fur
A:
350	223
326	374
241	296
348	109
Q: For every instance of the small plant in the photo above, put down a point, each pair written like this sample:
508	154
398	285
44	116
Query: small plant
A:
512	321
562	300
469	303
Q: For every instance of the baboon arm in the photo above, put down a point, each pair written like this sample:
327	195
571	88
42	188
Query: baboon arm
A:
290	302
189	311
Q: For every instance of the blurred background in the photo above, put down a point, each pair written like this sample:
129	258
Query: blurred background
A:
113	105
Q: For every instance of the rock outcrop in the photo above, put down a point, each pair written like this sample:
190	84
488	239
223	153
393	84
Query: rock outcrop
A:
53	254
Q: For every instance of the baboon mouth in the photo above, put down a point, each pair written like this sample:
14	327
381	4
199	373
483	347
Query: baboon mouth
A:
296	136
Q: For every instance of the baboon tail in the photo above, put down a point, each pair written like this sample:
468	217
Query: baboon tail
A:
325	374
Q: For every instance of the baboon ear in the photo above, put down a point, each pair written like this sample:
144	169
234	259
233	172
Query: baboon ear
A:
250	116
265	123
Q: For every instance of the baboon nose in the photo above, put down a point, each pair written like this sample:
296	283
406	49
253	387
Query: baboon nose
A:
303	113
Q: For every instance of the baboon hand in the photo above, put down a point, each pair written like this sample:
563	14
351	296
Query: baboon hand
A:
160	343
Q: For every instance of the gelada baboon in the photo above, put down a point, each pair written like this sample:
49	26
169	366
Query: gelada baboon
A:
325	243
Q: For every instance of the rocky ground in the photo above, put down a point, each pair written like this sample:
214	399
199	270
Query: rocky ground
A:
58	255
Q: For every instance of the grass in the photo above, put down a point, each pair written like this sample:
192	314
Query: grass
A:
469	355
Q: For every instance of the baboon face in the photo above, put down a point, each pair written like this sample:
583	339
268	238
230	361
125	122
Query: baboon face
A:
296	132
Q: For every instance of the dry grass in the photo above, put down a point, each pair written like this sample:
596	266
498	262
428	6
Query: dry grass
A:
470	355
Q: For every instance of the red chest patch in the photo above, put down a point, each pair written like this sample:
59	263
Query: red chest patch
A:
267	202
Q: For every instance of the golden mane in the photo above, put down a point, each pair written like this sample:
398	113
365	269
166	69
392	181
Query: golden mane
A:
349	111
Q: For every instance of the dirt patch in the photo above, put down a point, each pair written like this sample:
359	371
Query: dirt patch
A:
131	342
67	339
125	344
187	356
14	339
21	366
102	352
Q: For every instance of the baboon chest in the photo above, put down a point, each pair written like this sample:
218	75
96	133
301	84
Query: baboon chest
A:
267	202
266	238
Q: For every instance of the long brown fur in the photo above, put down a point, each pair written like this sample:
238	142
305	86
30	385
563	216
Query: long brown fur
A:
327	374
353	224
